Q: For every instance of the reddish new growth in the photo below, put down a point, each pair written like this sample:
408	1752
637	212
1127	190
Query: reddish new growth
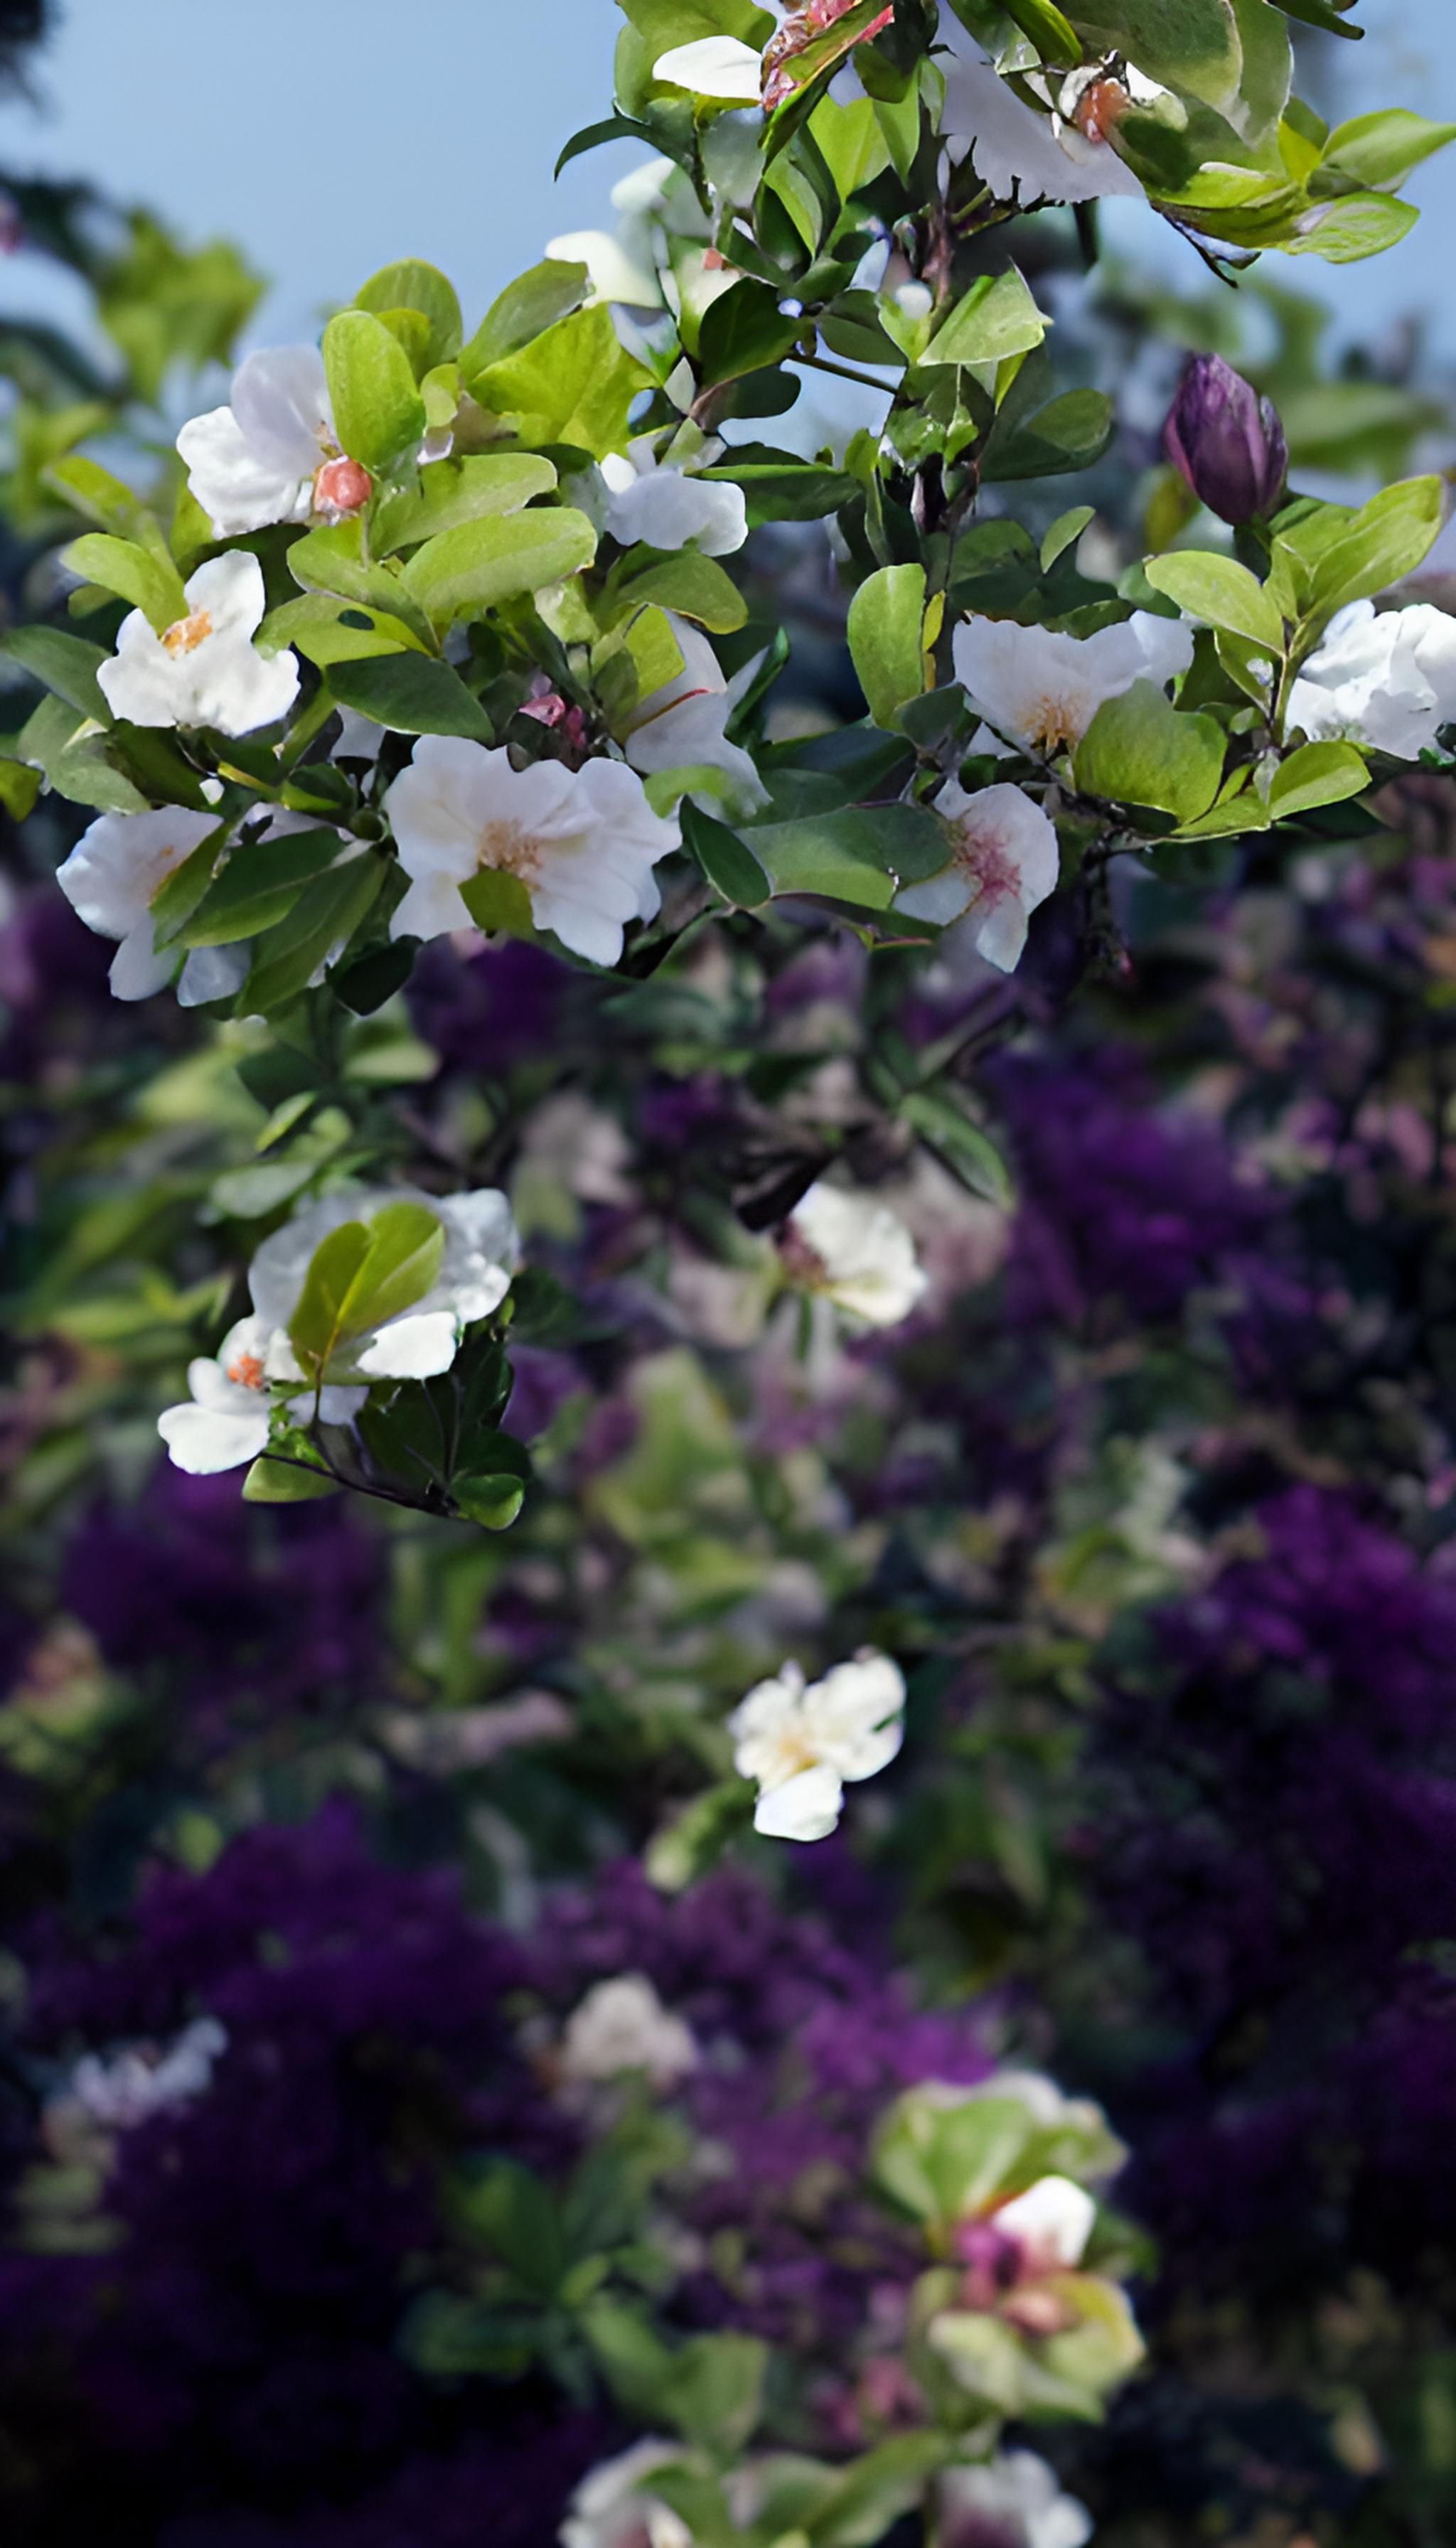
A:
800	28
547	708
342	487
1101	108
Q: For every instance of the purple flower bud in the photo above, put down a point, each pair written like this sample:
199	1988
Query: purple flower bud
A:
1227	442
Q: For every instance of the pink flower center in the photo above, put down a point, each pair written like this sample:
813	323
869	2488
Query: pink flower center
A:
987	865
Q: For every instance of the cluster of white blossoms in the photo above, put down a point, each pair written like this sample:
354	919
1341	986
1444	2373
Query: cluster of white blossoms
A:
129	2087
1382	678
799	1742
227	1419
622	2026
272	453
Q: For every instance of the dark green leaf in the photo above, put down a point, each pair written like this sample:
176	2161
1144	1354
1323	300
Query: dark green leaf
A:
411	694
725	860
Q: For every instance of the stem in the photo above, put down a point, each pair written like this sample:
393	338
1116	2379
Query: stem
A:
842	371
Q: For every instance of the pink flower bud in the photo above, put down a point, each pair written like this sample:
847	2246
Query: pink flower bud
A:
342	487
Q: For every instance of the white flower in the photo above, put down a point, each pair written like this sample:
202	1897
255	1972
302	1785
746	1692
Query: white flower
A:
799	1745
714	66
616	268
1387	679
225	1420
254	461
1013	2501
1017	152
684	726
119	864
479	1257
204	669
622	2025
668	508
613	2510
1003	864
854	1252
583	842
143	2080
1051	2223
1041	688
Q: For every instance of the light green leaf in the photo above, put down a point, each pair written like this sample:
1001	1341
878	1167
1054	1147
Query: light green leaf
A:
1353	228
1380	150
1066	528
278	1481
574	385
361	1275
330	630
413	284
452	491
334	560
1190	45
886	632
695	587
1218	590
1386	539
411	694
377	409
470	569
526	309
1318	773
1139	750
996	317
121	565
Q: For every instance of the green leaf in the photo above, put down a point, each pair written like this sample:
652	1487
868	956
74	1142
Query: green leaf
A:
526	309
1139	750
452	491
334	560
1066	528
997	316
695	587
1188	45
1055	40
745	330
259	887
862	855
574	385
76	765
1388	538
492	1502
1324	14
886	632
413	284
497	901
662	23
330	630
1219	590
361	1275
1380	150
107	500
119	565
1352	228
470	569
328	912
1318	773
20	785
725	860
65	663
278	1481
411	694
1069	432
318	1322
969	1153
378	411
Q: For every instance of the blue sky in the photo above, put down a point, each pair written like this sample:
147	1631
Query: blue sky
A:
330	135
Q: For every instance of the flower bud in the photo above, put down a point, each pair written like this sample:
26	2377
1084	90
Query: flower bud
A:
342	487
1228	441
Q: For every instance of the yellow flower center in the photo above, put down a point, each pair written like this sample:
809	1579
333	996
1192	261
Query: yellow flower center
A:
245	1370
1052	723
186	635
507	848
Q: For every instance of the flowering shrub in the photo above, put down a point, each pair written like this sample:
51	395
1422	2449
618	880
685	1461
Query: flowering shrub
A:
817	1911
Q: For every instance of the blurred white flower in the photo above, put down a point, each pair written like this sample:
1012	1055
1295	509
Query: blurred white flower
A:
225	1420
1385	678
204	669
1004	863
583	842
1013	2501
669	507
1016	150
143	2080
684	726
615	267
119	864
1050	2222
1040	689
853	1251
714	66
613	2506
254	461
801	1744
480	1256
622	2025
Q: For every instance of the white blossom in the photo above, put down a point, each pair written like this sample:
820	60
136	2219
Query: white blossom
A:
799	1744
1386	679
583	842
622	2025
112	877
1003	864
684	726
612	2507
204	669
254	461
714	66
225	1420
480	1256
616	268
1041	688
669	507
1016	150
1014	2501
143	2080
854	1251
1050	2222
